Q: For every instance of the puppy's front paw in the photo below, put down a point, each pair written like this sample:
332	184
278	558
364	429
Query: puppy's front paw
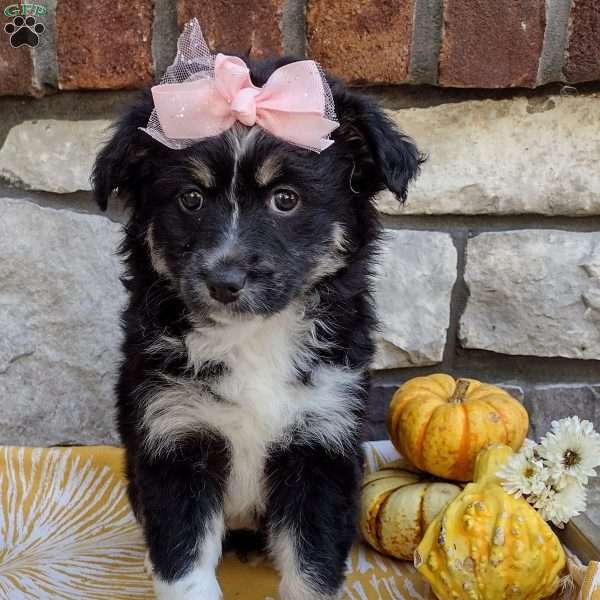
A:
198	584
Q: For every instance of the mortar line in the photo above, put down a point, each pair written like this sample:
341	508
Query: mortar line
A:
458	298
457	225
426	42
492	223
165	32
293	28
45	59
552	57
504	368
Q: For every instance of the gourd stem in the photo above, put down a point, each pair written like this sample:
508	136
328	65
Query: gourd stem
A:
462	385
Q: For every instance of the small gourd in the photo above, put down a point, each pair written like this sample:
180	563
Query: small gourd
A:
397	506
440	425
488	545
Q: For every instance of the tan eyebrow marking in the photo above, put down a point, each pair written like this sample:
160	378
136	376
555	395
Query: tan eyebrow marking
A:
201	172
268	170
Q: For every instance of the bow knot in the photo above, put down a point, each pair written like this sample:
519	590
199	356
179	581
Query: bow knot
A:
243	106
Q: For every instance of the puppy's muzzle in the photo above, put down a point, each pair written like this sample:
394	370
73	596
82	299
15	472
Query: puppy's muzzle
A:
225	282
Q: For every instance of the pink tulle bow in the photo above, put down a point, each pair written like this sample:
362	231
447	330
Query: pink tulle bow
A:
291	105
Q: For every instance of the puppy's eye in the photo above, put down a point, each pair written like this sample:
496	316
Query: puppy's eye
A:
191	201
284	200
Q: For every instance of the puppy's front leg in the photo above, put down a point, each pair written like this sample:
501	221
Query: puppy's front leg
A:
181	498
312	511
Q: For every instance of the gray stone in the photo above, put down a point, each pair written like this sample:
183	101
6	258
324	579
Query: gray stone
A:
551	403
415	276
533	292
60	299
380	396
374	431
50	155
505	157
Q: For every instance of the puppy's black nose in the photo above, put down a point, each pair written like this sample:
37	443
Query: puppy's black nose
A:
226	282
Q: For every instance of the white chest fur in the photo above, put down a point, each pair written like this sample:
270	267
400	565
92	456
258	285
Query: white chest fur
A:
256	403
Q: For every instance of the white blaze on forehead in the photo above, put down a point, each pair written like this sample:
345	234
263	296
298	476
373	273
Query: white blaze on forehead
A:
235	219
240	139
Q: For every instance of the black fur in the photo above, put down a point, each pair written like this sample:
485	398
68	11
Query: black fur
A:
312	488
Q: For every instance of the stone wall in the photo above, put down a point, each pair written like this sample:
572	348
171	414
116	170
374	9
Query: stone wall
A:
490	270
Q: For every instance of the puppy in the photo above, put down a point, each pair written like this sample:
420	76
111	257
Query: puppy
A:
248	338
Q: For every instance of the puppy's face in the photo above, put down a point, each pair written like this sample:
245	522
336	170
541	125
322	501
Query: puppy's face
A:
244	223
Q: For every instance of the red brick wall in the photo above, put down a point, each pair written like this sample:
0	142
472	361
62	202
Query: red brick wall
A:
491	44
112	44
363	41
240	25
110	47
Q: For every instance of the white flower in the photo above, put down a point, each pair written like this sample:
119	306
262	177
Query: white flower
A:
529	449
571	450
559	506
522	475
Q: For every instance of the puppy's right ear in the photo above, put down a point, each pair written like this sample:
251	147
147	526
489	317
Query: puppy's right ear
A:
118	165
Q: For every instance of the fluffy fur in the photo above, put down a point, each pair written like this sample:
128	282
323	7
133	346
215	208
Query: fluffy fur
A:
248	335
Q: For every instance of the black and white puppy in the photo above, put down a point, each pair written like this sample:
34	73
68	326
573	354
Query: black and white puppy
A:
248	336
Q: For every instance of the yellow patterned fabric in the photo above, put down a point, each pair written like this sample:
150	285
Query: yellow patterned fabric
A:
67	533
590	584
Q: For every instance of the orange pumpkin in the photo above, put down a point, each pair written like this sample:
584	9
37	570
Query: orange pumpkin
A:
440	425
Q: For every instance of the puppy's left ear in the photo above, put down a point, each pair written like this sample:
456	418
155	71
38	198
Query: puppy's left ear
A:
383	156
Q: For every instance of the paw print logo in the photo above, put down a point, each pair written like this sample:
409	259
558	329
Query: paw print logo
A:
24	32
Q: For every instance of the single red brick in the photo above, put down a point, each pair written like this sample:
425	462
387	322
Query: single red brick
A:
491	44
104	44
237	25
362	41
583	48
16	71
